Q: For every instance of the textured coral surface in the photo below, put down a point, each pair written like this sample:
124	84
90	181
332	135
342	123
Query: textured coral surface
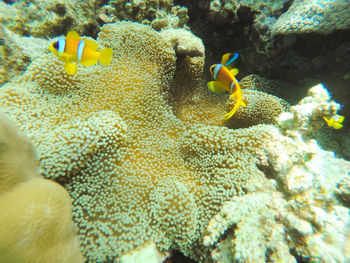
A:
146	176
36	218
110	137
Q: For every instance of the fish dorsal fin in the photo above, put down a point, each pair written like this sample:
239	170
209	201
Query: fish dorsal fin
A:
91	44
234	71
225	58
228	58
73	34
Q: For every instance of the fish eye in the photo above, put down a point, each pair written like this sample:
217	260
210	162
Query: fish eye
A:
55	45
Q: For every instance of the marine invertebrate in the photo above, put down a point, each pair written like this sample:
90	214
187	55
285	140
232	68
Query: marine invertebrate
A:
321	16
110	137
307	116
299	212
16	52
158	14
141	179
262	108
49	18
43	229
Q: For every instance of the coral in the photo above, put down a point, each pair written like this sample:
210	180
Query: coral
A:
49	18
321	16
17	52
240	18
297	212
265	11
158	14
53	18
262	108
144	182
308	115
36	220
196	104
109	136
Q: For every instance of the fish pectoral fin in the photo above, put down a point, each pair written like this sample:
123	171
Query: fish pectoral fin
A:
88	62
234	71
70	68
73	34
243	104
216	87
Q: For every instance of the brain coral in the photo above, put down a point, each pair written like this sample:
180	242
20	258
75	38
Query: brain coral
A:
36	220
135	173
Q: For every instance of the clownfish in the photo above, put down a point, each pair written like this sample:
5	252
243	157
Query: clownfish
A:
335	121
225	80
75	49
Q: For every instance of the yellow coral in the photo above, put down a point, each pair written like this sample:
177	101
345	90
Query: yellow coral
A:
35	220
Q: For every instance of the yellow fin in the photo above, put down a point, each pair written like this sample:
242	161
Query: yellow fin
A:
88	62
216	86
105	56
337	125
225	58
243	104
233	111
340	118
327	120
234	71
71	68
91	44
73	34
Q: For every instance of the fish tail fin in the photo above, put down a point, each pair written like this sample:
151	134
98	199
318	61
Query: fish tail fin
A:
105	56
233	111
239	103
337	126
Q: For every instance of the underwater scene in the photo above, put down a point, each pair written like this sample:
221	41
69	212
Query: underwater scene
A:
160	131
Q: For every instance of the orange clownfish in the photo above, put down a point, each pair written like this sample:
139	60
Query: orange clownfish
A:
75	49
335	121
225	80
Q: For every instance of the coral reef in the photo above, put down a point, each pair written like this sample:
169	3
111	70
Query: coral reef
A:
262	108
17	52
136	175
147	175
36	219
321	16
307	116
158	14
53	18
300	212
195	104
49	18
